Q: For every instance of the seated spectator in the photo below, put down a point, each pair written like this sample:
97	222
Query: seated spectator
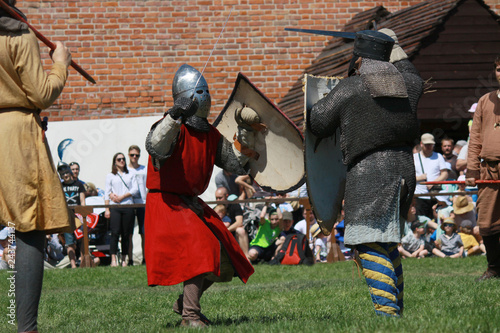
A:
96	201
53	250
6	254
235	213
90	190
227	180
413	244
222	212
285	206
339	231
450	244
320	243
247	187
413	217
441	210
463	188
471	245
429	240
302	225
464	210
263	246
286	229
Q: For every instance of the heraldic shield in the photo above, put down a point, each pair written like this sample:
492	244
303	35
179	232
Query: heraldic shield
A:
325	171
278	165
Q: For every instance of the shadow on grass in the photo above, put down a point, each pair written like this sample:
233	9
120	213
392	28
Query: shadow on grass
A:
223	322
245	319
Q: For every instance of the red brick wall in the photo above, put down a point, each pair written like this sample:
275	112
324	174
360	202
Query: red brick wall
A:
133	48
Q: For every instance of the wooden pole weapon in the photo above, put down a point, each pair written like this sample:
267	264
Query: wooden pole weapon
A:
460	182
41	37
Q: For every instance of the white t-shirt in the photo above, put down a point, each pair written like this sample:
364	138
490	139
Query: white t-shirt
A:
141	173
432	167
301	226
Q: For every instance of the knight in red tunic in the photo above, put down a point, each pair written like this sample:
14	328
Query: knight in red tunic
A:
185	239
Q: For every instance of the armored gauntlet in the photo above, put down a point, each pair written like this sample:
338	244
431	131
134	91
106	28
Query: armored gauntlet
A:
184	107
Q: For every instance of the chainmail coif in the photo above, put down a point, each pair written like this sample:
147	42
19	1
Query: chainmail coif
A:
198	123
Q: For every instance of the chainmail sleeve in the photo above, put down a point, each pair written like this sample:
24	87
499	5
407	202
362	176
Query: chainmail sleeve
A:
226	158
325	114
162	138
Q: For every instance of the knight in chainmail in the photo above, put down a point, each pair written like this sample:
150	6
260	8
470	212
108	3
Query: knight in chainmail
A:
375	109
185	239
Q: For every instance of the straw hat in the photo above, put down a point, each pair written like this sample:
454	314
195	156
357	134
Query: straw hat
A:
462	205
315	230
449	220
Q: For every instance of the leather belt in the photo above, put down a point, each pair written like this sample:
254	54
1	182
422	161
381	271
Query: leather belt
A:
492	163
20	109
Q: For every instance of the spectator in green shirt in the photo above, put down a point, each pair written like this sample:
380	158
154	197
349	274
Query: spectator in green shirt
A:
263	246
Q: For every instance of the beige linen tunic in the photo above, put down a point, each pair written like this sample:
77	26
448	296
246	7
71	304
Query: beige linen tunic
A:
31	196
483	162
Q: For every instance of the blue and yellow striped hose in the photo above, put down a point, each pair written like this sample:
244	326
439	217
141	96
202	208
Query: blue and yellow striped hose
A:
382	269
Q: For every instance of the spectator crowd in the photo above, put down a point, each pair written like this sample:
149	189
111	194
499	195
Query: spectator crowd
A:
442	225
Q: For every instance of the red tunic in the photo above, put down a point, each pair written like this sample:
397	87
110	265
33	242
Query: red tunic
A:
179	245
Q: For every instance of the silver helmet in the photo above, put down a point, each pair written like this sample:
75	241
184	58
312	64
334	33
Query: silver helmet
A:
184	85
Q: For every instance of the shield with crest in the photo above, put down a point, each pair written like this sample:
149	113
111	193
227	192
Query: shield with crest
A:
278	164
325	171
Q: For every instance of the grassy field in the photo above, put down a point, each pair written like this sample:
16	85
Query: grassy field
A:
441	295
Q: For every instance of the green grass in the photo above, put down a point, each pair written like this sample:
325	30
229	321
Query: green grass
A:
441	295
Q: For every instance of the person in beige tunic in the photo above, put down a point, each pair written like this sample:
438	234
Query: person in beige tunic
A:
483	163
31	197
